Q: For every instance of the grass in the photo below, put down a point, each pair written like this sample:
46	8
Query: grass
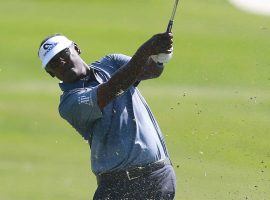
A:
212	101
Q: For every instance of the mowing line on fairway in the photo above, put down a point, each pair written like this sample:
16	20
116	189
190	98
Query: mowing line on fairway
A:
228	92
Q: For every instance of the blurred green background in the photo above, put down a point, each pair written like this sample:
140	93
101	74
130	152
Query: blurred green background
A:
212	101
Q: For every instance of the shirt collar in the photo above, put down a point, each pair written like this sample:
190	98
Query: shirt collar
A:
71	86
82	83
95	75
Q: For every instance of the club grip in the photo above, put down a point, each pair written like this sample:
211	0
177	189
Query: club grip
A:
169	27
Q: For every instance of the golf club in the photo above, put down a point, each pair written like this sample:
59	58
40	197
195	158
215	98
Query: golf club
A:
162	57
170	25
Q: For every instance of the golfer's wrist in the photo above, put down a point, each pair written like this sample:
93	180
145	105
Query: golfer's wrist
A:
142	54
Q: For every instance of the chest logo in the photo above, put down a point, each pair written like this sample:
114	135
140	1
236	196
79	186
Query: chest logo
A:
85	100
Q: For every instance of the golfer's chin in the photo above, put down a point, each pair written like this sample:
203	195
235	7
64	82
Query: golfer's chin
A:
70	77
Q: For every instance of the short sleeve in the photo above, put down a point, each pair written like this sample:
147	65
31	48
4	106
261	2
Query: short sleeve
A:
120	59
80	108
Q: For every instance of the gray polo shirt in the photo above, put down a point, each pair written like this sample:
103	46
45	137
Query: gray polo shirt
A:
124	133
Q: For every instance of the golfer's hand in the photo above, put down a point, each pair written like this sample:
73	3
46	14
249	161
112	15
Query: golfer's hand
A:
159	43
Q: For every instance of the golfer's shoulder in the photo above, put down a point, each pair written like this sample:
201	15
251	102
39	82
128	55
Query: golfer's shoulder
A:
119	57
111	62
113	58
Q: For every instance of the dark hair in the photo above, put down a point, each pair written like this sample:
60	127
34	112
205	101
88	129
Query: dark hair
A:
47	38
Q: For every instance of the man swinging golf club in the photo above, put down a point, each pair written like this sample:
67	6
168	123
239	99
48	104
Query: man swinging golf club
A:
101	101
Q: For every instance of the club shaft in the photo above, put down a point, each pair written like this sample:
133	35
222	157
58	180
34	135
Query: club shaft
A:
174	9
170	25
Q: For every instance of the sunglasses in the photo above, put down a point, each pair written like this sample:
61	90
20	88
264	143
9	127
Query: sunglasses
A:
60	58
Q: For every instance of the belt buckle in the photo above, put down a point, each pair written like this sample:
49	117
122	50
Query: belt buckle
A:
132	178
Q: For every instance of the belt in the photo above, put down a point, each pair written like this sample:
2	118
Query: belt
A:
133	172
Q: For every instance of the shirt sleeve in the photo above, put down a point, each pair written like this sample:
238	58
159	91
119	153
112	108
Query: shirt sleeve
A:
81	110
120	60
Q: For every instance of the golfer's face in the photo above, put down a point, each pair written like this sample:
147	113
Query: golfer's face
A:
63	65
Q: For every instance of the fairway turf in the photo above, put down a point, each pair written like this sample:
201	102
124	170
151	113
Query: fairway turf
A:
212	102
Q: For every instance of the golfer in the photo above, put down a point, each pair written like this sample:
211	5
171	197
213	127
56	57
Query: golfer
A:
101	101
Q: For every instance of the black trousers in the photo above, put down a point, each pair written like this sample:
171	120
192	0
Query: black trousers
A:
157	185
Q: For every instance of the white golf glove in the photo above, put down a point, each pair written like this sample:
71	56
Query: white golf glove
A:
162	57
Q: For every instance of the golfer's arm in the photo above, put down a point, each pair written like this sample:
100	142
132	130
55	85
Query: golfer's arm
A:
151	70
122	79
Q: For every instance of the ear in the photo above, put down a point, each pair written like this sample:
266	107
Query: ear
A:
77	48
